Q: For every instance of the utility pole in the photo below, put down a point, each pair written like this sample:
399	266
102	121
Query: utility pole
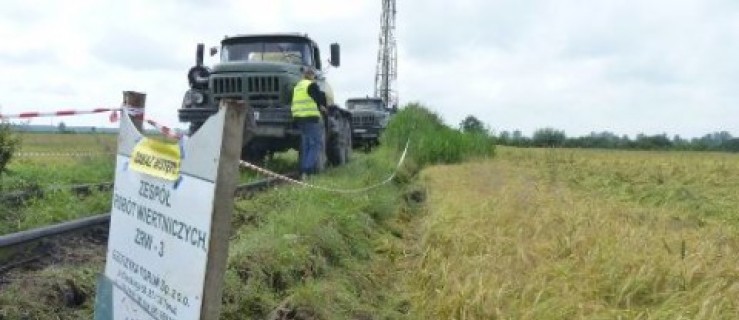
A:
387	58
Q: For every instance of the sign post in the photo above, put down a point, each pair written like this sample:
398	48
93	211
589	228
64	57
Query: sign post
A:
135	101
170	222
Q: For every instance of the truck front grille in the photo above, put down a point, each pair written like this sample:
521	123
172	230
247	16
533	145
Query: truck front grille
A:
363	120
263	84
257	90
227	86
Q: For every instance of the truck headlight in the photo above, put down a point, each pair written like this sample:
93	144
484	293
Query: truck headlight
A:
197	97
193	98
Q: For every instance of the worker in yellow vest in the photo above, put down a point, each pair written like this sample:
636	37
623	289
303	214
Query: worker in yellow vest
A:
307	105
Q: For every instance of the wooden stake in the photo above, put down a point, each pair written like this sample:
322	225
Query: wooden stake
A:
220	230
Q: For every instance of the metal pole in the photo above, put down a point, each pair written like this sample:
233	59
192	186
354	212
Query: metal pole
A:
17	238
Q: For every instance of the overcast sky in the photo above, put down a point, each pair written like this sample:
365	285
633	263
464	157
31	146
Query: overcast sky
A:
626	66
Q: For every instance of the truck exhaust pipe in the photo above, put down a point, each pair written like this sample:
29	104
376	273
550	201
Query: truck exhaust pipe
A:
199	54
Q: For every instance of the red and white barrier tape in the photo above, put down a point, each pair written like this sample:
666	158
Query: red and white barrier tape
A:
166	131
335	190
60	154
28	115
114	116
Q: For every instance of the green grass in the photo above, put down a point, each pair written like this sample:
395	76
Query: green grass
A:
303	249
54	174
40	171
309	249
54	207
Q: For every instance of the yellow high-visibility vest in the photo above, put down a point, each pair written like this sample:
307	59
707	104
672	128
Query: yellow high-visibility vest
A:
303	105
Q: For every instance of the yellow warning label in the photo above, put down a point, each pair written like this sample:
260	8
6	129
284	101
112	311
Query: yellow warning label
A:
156	158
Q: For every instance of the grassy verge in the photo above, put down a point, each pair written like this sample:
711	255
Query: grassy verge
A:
310	252
295	250
520	238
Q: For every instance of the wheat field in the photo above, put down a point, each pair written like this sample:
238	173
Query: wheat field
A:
580	234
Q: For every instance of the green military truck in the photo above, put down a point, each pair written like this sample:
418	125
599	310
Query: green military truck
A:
263	70
369	119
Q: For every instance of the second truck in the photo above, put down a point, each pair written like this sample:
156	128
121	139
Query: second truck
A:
370	117
263	70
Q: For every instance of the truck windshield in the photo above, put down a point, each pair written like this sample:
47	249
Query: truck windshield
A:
364	105
298	53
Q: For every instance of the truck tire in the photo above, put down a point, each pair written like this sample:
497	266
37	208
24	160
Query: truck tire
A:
339	149
348	145
322	158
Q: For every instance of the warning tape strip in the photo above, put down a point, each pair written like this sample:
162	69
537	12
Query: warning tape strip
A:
329	189
132	111
61	154
28	115
167	131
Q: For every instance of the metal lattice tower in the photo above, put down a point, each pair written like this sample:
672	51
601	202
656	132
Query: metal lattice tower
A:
387	58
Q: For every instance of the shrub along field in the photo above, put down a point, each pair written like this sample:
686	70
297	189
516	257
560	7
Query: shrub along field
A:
563	234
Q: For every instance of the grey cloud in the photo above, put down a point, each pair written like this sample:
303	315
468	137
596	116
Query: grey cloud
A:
21	13
434	30
59	89
138	51
55	89
653	72
29	57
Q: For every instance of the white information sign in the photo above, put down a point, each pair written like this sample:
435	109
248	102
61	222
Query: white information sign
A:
158	245
163	263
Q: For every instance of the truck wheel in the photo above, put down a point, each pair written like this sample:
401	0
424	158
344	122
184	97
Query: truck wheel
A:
339	149
348	144
322	158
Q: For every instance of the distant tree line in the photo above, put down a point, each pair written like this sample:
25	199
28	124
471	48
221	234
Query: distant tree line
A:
551	137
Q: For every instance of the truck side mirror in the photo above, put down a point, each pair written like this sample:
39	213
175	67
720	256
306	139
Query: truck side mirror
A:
199	54
335	55
213	51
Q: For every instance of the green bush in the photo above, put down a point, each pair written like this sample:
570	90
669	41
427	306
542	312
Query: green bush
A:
8	143
431	141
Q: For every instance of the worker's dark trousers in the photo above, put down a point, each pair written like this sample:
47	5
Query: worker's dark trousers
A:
310	146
